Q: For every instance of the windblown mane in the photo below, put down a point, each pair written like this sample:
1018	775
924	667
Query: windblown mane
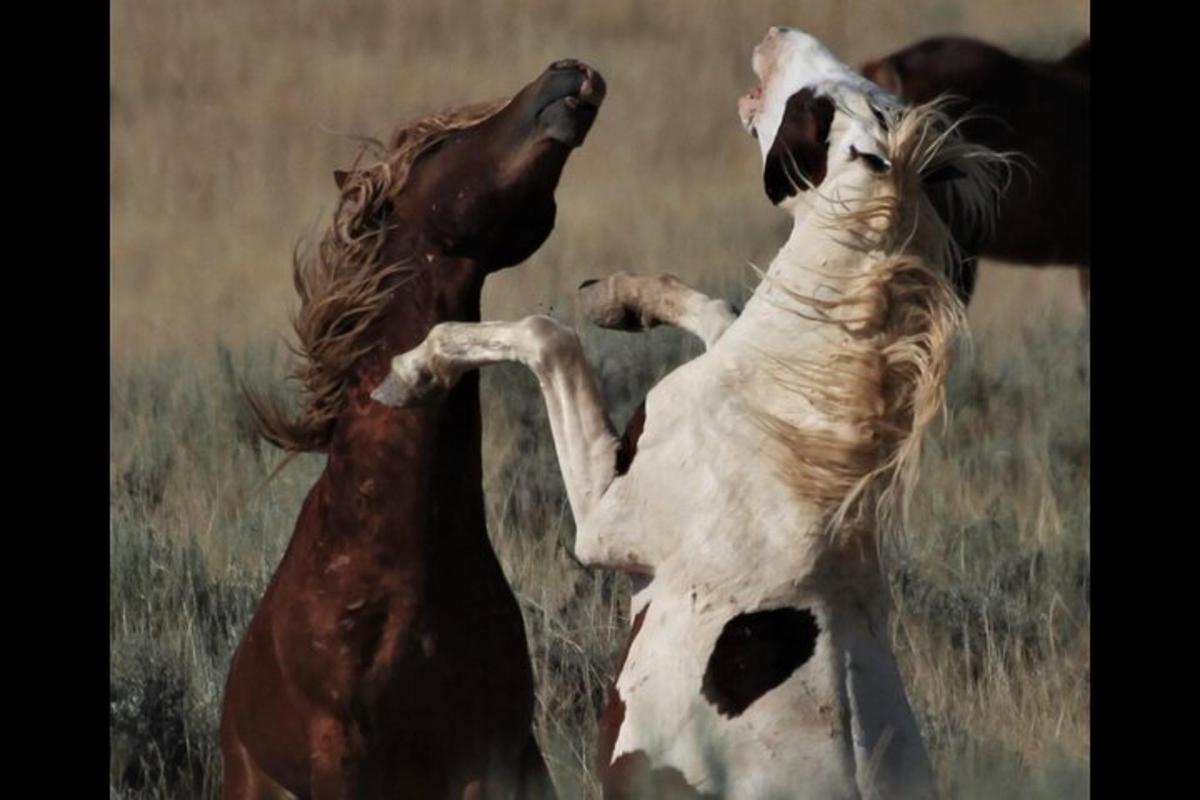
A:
900	316
345	285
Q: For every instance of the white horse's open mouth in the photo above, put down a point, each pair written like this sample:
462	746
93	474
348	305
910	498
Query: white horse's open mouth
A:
762	62
748	105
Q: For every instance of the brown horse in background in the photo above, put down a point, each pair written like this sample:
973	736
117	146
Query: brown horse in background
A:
1041	109
388	655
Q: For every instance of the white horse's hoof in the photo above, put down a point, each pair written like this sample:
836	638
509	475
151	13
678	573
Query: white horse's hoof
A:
605	305
410	383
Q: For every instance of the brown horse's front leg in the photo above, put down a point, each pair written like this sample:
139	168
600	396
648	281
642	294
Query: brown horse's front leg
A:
245	781
243	778
331	777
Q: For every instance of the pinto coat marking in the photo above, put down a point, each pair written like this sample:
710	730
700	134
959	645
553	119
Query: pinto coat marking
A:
768	467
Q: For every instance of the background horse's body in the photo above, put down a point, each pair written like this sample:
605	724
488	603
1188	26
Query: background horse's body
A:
388	656
1041	109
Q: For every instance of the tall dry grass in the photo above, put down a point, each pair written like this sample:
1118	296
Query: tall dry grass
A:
224	113
222	158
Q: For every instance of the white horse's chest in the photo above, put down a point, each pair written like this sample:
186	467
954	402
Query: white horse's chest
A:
705	482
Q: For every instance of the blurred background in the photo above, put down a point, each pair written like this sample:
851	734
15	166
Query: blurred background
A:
228	119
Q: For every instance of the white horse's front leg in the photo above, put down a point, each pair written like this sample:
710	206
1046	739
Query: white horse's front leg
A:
583	435
637	302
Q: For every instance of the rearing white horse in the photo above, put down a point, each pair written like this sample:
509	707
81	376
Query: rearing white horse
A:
767	468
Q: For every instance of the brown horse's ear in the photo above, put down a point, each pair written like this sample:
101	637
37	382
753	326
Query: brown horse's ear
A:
339	177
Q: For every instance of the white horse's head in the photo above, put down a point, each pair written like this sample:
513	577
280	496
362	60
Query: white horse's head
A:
818	123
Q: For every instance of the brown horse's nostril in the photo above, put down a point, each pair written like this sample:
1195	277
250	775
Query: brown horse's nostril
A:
594	88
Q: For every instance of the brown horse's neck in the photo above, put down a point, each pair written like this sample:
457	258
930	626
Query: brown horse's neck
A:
441	289
397	473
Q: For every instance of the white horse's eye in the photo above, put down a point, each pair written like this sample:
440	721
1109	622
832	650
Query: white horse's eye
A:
874	163
879	117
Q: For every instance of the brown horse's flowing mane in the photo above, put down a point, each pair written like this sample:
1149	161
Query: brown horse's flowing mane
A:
345	285
885	383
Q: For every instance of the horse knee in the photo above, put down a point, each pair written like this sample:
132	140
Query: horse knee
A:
550	342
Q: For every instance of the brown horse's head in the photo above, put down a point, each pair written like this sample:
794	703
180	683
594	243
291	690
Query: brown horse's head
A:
485	191
457	195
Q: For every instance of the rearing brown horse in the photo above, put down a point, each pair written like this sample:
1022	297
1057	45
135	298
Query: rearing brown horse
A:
388	656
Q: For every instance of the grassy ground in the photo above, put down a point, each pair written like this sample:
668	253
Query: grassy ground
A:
219	163
991	588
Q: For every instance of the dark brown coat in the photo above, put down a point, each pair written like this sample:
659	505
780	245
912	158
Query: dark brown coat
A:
388	656
1041	109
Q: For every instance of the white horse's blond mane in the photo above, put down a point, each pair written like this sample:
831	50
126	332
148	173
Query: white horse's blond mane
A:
885	383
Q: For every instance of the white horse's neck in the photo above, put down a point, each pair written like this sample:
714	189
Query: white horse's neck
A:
812	259
812	263
804	356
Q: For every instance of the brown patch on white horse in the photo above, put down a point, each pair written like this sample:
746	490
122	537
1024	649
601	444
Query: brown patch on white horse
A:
756	652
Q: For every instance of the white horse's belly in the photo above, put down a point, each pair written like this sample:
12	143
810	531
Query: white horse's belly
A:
789	742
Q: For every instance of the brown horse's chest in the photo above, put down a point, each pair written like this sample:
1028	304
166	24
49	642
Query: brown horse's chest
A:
386	622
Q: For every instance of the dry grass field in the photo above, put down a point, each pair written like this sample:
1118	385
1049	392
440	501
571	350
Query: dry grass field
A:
227	121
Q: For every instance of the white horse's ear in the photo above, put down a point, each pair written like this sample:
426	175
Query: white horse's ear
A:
874	160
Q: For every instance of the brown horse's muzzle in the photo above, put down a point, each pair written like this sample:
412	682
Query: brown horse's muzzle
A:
566	99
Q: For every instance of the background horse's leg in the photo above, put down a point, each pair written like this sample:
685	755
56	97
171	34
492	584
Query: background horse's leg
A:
964	279
638	302
583	434
533	778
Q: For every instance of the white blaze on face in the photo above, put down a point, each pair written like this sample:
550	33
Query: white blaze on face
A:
788	60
